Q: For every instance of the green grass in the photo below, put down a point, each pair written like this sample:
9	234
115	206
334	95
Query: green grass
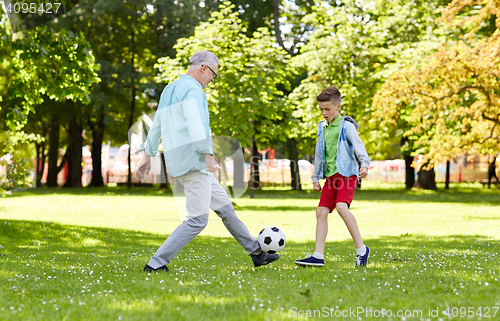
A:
78	255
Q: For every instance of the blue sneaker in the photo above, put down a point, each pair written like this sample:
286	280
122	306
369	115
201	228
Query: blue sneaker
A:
310	261
362	260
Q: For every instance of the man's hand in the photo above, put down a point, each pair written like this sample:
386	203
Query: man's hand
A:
212	165
143	167
317	187
363	172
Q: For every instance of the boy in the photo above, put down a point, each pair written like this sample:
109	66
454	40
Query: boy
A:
334	160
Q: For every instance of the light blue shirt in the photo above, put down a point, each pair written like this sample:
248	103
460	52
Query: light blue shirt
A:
182	122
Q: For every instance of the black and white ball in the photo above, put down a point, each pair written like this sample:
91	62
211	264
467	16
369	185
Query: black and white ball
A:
271	239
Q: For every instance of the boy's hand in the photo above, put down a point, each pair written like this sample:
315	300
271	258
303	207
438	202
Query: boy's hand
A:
363	172
317	187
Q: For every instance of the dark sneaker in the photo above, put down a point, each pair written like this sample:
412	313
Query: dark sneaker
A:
264	258
362	260
310	261
147	268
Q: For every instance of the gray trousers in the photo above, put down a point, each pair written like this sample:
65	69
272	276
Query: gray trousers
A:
203	192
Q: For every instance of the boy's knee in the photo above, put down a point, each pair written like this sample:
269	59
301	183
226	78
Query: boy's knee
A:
342	208
322	212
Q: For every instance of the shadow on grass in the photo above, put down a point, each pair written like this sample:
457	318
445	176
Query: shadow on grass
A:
453	195
19	238
470	218
408	244
95	191
456	194
20	235
274	208
81	256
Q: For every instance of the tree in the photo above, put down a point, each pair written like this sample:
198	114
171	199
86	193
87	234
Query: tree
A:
127	38
453	96
290	30
114	29
292	33
45	122
356	46
244	101
43	63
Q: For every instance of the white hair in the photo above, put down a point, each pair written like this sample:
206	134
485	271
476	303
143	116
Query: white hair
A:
204	57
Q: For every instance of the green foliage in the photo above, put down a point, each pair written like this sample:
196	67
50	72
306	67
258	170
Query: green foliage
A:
244	100
178	19
127	38
41	64
55	63
16	176
356	46
18	162
450	100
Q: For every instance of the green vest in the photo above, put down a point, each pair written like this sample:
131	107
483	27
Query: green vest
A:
331	140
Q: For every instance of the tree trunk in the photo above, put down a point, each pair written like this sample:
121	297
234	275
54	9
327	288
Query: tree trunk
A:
492	170
276	17
69	160
41	155
63	161
163	26
254	181
37	165
74	151
132	111
53	151
410	172
158	19
294	164
427	178
447	180
97	138
254	165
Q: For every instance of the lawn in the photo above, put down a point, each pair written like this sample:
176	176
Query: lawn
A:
78	255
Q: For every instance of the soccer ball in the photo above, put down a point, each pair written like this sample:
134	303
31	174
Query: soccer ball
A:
271	239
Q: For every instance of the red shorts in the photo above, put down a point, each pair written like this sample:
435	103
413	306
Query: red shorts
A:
338	189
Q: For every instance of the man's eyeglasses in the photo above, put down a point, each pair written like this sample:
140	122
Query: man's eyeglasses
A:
215	75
